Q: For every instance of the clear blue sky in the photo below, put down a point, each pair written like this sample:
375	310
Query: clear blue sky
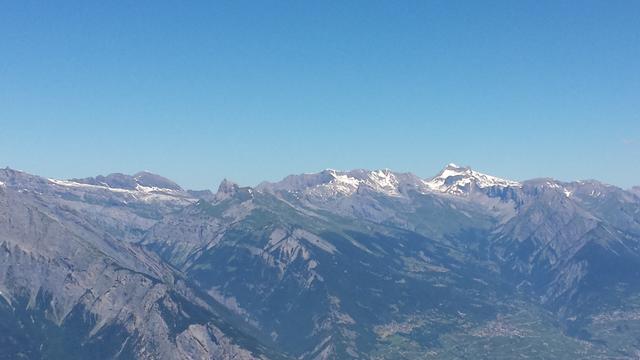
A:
256	90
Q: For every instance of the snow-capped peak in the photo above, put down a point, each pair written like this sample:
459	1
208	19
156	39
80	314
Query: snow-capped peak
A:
341	183
454	179
330	183
384	181
347	183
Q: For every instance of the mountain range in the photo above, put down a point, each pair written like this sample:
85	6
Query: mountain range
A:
332	265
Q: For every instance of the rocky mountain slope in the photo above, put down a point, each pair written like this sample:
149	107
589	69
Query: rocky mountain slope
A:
71	289
333	265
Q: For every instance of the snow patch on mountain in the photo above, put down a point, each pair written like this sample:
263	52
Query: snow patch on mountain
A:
338	183
331	183
457	180
139	192
341	183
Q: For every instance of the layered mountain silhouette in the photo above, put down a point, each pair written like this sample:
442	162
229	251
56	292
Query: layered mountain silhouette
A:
332	265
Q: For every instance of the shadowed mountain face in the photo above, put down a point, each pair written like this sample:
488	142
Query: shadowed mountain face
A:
334	265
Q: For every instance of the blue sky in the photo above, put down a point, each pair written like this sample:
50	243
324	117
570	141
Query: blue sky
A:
256	90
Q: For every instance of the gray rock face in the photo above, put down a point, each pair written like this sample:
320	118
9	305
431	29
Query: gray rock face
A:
76	278
122	212
335	265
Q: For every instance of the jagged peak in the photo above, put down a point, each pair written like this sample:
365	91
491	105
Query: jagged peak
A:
229	189
227	186
330	182
456	179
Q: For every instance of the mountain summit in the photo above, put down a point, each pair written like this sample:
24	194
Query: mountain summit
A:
458	180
